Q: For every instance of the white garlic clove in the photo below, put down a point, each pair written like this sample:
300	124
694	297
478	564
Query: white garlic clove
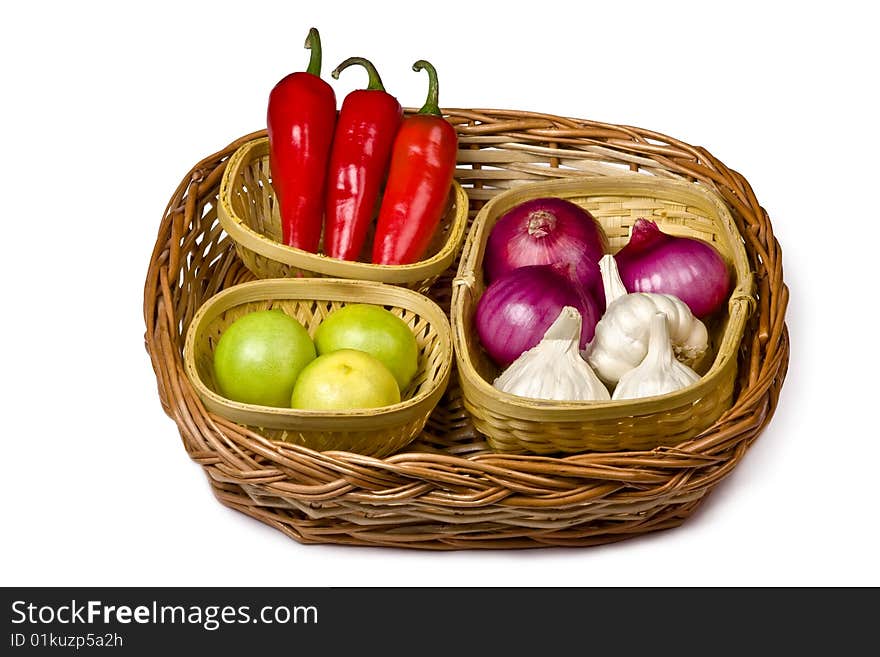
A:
660	372
554	369
620	342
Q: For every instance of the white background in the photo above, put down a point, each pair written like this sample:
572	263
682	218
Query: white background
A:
106	106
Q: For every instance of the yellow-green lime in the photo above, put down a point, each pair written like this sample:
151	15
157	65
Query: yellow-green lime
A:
375	330
259	357
344	379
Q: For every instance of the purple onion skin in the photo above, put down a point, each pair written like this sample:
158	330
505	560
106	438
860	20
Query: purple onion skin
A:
688	268
516	310
548	231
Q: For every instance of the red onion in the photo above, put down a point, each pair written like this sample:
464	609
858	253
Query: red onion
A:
547	231
688	268
517	309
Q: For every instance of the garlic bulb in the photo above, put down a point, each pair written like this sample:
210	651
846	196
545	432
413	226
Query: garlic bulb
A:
621	339
554	369
660	372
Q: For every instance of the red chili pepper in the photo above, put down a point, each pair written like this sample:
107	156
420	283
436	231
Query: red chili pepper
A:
365	130
300	121
419	179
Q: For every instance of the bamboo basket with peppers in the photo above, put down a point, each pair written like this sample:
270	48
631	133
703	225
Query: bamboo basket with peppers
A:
448	489
337	182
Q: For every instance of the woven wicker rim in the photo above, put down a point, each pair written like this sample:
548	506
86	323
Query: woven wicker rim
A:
740	305
325	289
320	263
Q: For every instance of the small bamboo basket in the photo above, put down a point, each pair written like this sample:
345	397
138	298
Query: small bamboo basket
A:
521	425
249	213
371	432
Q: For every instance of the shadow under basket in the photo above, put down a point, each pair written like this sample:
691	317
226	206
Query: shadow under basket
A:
372	432
448	489
520	425
248	211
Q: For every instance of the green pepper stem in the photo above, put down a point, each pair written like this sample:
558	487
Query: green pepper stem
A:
313	43
430	106
375	83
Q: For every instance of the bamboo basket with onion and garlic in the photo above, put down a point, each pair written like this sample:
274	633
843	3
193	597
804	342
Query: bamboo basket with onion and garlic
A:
614	340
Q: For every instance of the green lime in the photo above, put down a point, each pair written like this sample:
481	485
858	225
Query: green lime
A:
259	357
375	330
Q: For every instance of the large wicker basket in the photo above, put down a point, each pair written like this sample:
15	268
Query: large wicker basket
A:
519	425
448	489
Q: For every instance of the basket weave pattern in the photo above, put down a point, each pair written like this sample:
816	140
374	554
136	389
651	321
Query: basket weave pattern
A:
448	490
